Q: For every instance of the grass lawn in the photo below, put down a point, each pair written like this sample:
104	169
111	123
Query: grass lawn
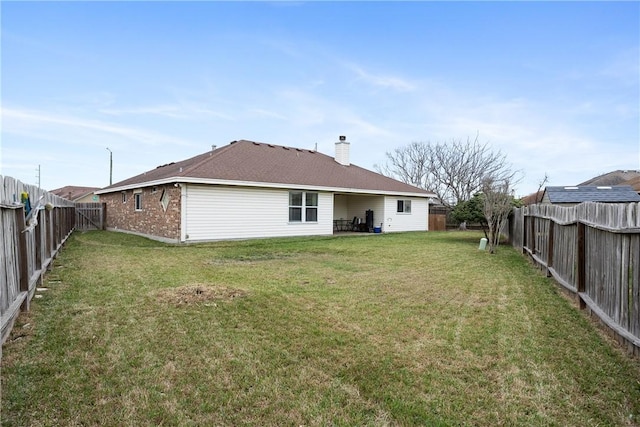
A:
397	329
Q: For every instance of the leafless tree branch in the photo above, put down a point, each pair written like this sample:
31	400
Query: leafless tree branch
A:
453	170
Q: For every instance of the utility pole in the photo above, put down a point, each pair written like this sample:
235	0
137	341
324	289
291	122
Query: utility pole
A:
38	176
110	166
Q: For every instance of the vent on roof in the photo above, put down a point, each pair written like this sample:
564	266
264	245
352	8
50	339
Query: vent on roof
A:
166	164
570	188
256	143
271	145
286	148
299	149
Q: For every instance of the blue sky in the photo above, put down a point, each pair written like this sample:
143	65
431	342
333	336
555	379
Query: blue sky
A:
553	86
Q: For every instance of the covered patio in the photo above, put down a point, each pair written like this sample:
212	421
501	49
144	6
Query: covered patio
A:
357	213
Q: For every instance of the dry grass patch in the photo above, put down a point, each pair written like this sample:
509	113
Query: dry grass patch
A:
198	293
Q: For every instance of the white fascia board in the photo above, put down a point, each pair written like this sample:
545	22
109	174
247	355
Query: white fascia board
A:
233	183
141	185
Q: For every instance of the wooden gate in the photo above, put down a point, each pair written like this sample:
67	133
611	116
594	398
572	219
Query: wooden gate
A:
90	216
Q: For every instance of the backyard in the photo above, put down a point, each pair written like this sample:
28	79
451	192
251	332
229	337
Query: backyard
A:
392	329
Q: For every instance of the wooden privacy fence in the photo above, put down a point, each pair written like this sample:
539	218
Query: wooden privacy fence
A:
90	216
593	251
28	244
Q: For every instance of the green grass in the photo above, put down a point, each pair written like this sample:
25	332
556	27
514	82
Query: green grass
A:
397	329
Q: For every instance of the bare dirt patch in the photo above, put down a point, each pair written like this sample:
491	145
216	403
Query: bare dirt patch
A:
200	293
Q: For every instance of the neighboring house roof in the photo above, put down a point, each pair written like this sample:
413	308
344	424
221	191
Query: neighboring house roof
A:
592	193
73	192
533	198
617	177
253	163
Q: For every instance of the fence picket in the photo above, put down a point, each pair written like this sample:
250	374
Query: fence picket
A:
26	250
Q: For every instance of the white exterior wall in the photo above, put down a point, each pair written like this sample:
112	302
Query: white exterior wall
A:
219	212
341	207
358	205
417	220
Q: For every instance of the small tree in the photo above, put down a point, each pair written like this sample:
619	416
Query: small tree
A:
471	211
498	202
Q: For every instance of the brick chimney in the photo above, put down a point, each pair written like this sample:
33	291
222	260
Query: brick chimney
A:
342	151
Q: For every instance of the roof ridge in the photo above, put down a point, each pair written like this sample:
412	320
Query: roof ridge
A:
212	154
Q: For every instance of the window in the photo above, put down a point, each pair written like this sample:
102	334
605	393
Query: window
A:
303	206
295	206
311	207
164	200
138	201
404	206
124	197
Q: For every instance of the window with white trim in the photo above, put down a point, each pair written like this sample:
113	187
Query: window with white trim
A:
404	206
164	200
138	201
303	206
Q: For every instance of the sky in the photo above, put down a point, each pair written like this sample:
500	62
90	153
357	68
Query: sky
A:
554	86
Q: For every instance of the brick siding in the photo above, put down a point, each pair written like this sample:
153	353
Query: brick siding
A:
151	219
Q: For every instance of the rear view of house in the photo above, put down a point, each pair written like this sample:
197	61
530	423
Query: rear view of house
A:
250	190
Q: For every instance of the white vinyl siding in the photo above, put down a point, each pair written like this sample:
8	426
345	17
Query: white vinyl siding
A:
415	220
219	212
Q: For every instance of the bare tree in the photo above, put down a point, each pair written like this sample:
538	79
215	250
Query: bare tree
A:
408	164
453	170
498	201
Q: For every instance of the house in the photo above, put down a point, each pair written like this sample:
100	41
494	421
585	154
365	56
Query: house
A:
249	190
574	195
533	198
77	194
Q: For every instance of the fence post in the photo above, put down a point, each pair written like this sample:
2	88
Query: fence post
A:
525	232
23	259
552	226
38	241
532	235
49	231
582	279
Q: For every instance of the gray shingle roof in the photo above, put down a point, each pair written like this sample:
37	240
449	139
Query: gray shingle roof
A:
249	161
592	193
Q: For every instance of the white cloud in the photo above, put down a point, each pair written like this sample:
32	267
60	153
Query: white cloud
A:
173	111
70	129
266	113
388	82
